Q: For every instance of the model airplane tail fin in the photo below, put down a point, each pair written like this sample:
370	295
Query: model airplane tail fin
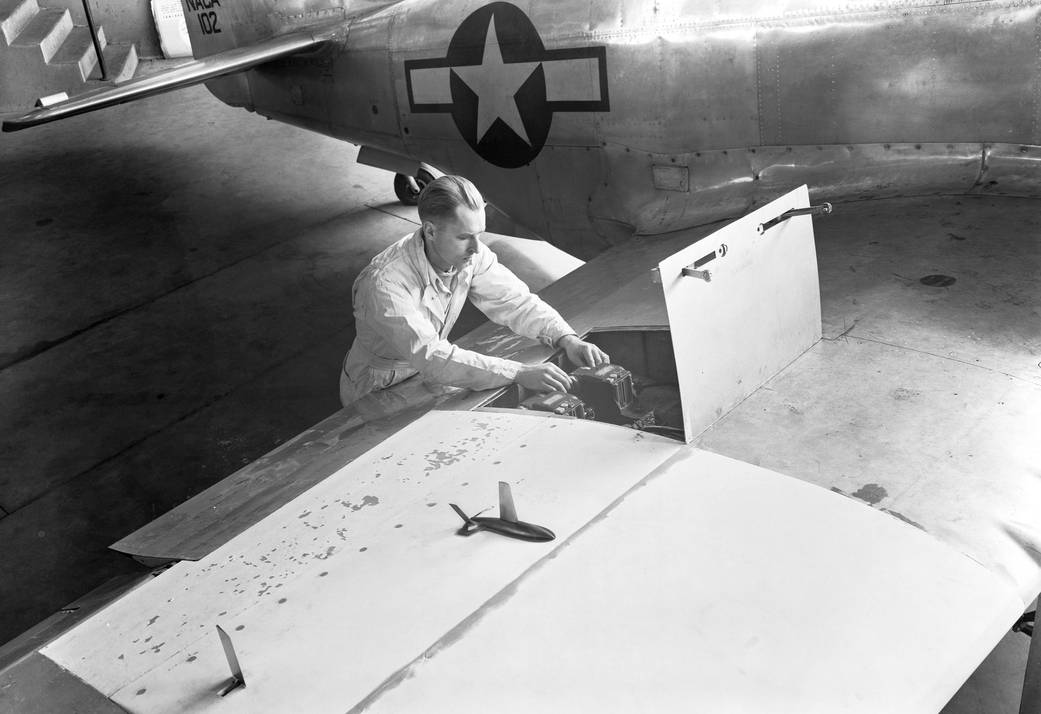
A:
462	515
469	525
185	75
507	511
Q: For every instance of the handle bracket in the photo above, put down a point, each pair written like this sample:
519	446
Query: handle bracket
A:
822	210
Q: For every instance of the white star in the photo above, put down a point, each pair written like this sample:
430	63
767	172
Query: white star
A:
495	83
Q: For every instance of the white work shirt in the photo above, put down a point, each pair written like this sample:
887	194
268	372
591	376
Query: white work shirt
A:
404	310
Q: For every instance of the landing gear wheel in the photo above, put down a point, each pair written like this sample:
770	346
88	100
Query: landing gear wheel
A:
1025	624
403	188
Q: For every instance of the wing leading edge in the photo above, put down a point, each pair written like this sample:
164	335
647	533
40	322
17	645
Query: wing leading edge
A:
194	72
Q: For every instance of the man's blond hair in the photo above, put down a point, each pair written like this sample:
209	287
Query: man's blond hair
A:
444	195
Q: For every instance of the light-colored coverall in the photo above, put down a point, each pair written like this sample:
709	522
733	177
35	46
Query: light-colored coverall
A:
404	310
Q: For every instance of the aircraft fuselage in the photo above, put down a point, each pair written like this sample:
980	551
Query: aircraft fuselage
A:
589	122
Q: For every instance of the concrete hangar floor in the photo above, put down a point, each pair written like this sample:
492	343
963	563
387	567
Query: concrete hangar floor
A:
175	284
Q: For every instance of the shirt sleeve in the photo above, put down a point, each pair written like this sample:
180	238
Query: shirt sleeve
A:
505	299
397	315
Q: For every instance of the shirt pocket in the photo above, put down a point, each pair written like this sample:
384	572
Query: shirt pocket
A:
382	378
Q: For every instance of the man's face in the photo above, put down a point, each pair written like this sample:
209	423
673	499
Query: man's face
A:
452	241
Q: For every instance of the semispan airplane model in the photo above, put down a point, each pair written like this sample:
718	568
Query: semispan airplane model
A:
680	579
506	524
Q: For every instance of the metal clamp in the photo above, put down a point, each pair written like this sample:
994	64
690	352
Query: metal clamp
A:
689	271
695	273
823	209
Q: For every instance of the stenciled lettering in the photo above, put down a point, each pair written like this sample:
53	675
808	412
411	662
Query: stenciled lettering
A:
208	23
196	5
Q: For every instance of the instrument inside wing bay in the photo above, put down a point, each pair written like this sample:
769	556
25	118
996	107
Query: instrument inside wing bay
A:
638	389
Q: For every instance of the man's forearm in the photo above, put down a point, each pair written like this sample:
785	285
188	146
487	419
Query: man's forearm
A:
569	339
447	364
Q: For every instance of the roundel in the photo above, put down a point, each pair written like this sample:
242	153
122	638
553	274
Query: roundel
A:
501	86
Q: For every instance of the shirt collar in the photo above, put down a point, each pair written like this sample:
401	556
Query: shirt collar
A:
426	269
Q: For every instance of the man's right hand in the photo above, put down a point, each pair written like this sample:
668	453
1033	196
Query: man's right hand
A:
544	377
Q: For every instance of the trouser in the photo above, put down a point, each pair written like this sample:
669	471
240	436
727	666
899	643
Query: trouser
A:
359	376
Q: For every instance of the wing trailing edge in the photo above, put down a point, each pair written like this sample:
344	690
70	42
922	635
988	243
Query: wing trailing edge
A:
185	75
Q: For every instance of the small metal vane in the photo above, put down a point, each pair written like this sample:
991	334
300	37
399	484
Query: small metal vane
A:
237	680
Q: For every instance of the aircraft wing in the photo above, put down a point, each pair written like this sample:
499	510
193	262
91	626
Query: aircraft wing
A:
679	577
194	72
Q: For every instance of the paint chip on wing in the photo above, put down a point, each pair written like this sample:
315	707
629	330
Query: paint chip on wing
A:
870	493
439	457
902	394
365	501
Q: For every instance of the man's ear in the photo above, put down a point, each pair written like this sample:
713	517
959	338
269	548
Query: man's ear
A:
429	231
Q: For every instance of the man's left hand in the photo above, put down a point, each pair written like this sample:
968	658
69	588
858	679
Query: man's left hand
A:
584	354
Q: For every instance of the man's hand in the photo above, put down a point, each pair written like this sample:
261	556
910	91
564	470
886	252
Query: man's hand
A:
543	378
584	354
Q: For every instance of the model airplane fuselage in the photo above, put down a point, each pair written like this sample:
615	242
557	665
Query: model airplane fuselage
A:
507	524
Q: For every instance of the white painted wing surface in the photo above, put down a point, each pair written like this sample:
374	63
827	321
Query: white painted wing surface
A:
332	594
722	587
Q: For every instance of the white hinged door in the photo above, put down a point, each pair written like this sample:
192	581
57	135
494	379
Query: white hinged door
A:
747	306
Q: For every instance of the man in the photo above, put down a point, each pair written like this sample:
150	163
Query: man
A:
409	297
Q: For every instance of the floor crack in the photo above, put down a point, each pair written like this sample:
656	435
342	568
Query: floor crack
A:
946	357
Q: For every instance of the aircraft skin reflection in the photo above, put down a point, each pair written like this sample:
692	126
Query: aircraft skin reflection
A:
631	117
698	113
